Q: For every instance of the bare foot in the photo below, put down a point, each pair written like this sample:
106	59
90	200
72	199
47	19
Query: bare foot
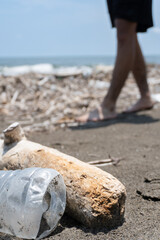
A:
141	105
99	114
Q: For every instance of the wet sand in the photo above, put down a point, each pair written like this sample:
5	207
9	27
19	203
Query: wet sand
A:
136	139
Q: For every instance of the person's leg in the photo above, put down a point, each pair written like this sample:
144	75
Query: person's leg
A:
140	74
126	37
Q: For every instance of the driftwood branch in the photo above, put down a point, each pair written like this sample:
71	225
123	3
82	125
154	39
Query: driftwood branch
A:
14	133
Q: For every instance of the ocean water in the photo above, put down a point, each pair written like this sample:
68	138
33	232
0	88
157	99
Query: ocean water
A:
19	65
58	61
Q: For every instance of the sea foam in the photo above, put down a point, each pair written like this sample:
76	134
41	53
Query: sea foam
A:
46	69
19	70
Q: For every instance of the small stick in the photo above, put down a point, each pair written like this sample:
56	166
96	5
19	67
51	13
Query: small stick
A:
14	98
104	162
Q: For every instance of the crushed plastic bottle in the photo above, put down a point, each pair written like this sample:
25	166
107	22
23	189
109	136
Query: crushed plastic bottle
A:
32	201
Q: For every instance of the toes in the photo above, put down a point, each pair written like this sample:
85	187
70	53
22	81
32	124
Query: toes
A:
96	115
83	118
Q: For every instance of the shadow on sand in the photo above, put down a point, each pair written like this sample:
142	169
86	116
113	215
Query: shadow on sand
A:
122	118
68	222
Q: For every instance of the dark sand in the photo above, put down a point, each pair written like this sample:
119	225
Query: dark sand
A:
136	138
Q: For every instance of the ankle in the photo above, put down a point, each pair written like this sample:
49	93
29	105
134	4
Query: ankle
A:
108	104
146	96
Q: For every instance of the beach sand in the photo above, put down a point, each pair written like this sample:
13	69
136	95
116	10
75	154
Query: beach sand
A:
136	139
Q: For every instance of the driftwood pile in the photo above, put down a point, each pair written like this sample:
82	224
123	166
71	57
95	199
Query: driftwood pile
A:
44	102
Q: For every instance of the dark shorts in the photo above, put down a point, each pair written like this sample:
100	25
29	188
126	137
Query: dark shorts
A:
139	11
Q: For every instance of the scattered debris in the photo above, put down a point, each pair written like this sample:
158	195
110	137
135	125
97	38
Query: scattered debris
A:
52	98
156	97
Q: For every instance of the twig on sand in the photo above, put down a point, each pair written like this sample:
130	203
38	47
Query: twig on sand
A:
105	162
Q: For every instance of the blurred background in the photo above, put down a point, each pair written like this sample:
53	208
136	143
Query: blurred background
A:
65	32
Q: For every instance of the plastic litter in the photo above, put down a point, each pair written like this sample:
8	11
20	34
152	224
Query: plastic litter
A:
156	97
32	201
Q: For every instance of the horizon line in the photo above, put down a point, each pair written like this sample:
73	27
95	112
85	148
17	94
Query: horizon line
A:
69	56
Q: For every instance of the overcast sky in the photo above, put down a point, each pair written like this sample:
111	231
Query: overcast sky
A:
64	27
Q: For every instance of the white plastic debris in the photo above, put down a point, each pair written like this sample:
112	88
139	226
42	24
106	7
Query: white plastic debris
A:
67	71
104	68
1	147
156	97
32	201
99	84
153	81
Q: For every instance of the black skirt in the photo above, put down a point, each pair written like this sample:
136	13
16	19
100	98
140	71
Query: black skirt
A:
139	11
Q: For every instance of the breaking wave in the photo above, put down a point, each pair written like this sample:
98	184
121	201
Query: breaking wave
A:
50	69
18	70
